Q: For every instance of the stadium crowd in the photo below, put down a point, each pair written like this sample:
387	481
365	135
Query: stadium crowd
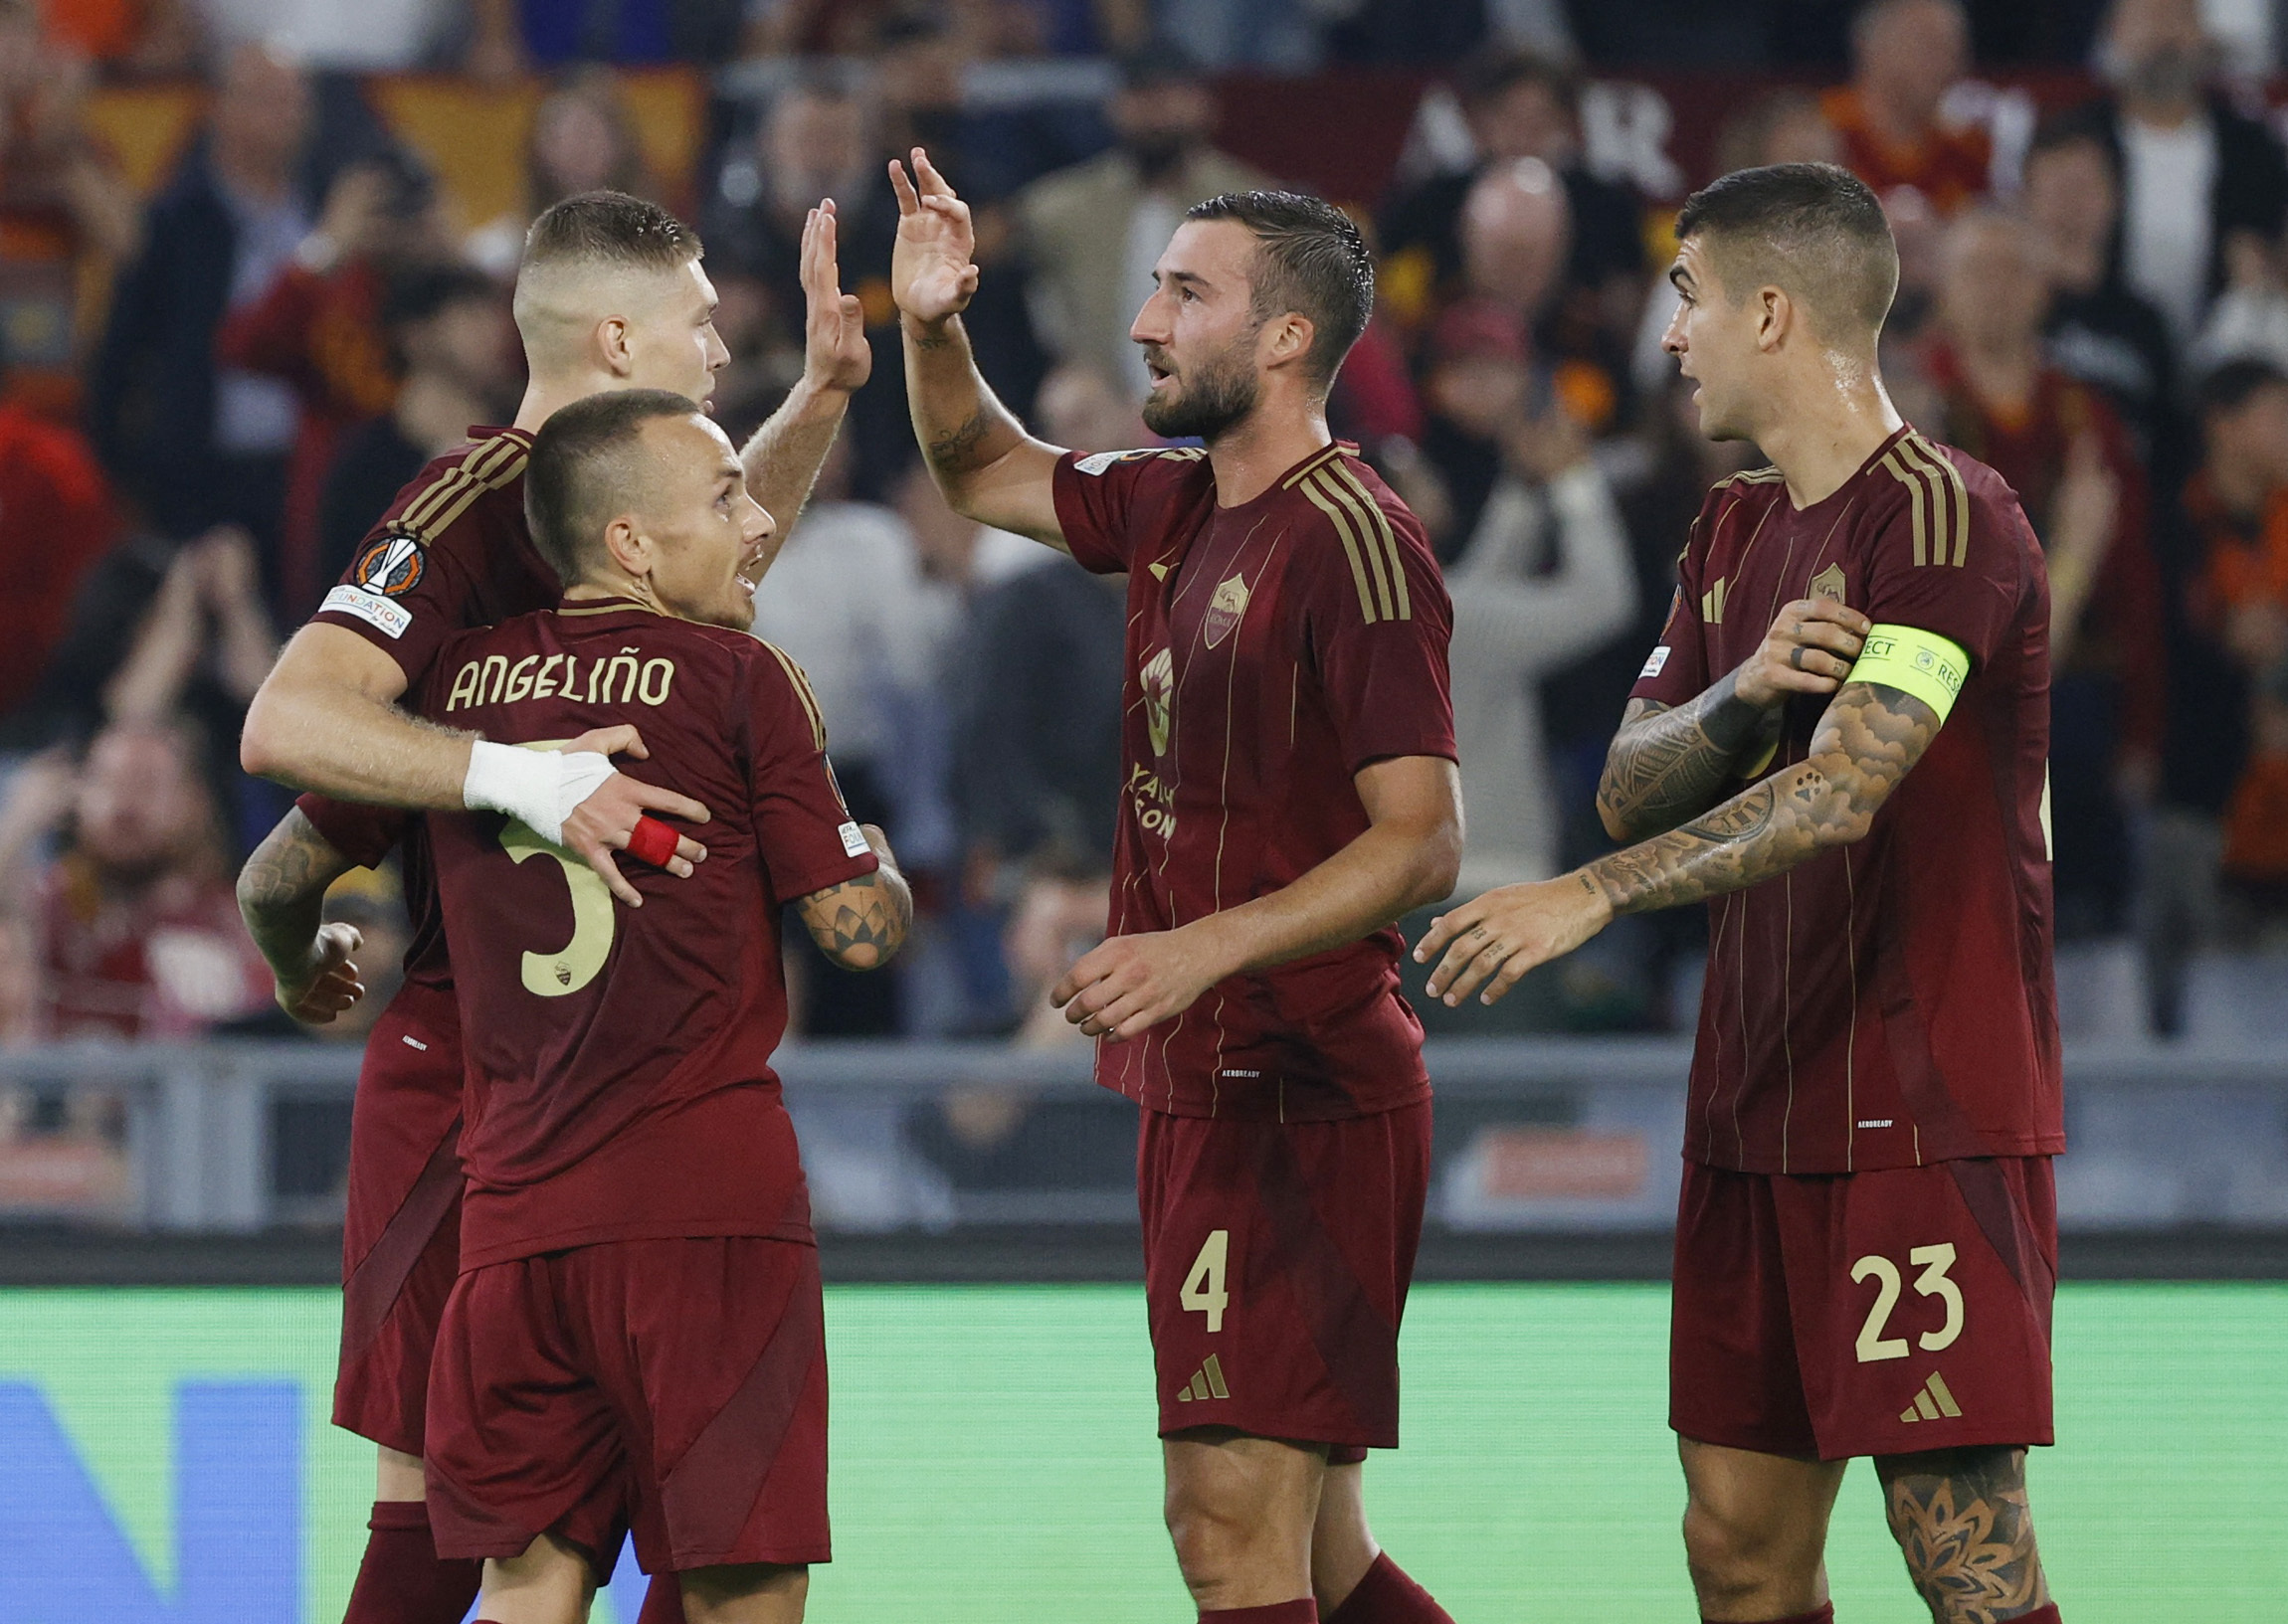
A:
214	383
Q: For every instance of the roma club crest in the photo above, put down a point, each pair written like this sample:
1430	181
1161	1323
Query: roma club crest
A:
1226	610
1828	583
392	566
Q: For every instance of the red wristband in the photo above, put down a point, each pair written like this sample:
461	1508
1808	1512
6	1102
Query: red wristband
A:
651	841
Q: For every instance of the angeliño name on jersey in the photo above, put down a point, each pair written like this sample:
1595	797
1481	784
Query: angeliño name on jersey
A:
618	679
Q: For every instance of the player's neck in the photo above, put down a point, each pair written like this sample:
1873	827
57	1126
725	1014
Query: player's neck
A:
1823	435
1260	448
545	396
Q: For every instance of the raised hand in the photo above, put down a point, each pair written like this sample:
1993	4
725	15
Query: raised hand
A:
836	353
932	270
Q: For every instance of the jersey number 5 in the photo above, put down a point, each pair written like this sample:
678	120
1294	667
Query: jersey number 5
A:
575	964
1934	1261
1204	1288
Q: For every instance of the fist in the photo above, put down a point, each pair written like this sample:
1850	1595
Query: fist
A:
328	983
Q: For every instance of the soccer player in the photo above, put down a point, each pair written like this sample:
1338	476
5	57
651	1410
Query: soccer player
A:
1840	743
1289	791
637	1332
611	295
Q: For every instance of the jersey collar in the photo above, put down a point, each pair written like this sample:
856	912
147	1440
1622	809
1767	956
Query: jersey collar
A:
614	605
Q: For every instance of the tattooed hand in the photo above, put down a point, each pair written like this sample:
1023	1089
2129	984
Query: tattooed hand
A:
1867	740
860	924
1666	764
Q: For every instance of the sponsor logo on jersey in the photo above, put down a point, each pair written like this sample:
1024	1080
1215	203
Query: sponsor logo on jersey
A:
391	566
1226	610
1712	603
1206	1383
1932	1402
1655	664
1158	679
384	616
1828	583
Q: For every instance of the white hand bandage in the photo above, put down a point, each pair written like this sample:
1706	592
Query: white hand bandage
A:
537	787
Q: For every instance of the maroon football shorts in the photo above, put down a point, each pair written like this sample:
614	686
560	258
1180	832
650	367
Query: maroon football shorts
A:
401	1233
680	1384
1864	1314
1276	1261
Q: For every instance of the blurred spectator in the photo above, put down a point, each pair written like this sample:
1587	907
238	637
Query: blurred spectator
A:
1540	575
845	601
2065	451
139	37
66	215
1092	233
316	327
508	35
2196	173
1519	104
56	521
1905	56
190	443
134	923
2097	330
454	349
1787	126
346	36
1037	684
2231	515
582	139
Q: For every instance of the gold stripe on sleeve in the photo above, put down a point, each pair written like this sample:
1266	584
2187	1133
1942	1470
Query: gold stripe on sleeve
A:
1915	499
474	467
1941	526
1344	472
1953	545
1368	544
803	692
1311	467
1954	478
1350	550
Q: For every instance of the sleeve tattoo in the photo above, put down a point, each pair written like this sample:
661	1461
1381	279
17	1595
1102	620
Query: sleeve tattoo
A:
282	892
860	924
1962	1523
1666	764
1867	740
955	451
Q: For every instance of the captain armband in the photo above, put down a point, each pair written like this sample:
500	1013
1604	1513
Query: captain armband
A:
1923	663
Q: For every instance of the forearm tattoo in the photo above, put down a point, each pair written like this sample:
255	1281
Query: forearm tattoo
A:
1962	1523
861	923
1867	740
956	450
1666	764
282	892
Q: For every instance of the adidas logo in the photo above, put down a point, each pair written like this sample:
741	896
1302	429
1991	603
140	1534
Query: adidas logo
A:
1206	1382
1932	1402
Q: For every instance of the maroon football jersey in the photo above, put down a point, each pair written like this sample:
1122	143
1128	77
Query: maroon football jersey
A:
1274	649
451	554
1887	1003
620	1085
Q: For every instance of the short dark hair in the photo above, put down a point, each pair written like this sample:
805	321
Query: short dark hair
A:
418	294
1813	229
578	458
1310	259
1486	78
610	228
2072	128
2230	385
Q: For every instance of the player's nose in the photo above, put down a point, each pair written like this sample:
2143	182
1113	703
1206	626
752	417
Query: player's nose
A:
759	525
1150	325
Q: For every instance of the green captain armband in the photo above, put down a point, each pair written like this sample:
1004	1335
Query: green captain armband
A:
1923	663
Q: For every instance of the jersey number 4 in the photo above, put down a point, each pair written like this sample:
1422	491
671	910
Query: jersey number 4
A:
1205	1290
1934	1261
575	964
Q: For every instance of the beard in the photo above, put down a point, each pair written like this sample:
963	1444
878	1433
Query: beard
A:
1215	397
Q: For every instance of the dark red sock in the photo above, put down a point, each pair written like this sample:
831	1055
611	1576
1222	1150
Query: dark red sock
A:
1387	1596
1824	1613
663	1602
1305	1611
403	1581
2046	1614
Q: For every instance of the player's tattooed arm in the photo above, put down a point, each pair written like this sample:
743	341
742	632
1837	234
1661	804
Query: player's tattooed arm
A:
282	897
1868	739
860	924
1962	1523
1668	764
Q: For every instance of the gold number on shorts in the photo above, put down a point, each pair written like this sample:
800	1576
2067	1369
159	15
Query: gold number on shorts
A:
575	964
1204	1288
1933	1282
1873	1345
1934	1261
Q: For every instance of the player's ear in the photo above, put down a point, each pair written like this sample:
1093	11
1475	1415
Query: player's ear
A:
1286	340
627	546
612	343
1775	314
